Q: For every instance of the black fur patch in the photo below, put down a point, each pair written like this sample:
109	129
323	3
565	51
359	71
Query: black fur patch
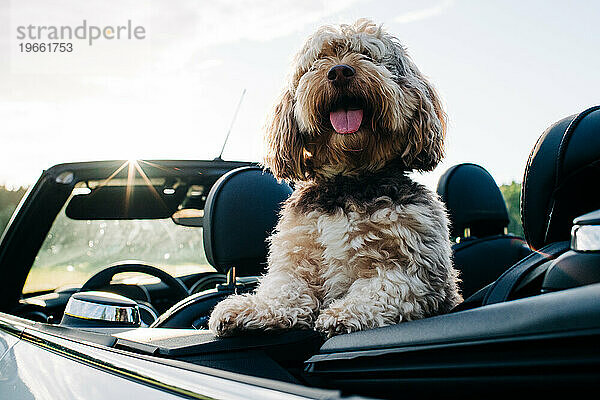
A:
359	192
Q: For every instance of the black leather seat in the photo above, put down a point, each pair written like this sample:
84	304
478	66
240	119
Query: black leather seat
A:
560	184
241	211
478	219
561	178
474	202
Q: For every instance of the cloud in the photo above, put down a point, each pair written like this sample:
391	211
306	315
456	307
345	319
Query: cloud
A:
424	13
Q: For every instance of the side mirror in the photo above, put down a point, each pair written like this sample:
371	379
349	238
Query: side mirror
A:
585	234
100	310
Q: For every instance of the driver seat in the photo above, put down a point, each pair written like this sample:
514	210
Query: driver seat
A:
241	211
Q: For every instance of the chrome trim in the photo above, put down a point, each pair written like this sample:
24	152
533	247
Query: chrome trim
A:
231	277
12	325
128	314
585	238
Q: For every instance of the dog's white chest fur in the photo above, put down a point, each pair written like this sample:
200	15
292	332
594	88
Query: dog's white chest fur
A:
350	245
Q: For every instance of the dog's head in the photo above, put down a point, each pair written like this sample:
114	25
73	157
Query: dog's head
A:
354	102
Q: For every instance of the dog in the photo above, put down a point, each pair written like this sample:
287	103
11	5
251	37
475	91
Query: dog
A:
358	245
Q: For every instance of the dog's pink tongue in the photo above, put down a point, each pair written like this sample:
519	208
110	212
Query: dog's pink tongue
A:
346	121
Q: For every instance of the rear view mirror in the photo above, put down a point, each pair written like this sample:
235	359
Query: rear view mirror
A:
188	217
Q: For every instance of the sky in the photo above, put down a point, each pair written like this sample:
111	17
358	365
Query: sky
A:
506	70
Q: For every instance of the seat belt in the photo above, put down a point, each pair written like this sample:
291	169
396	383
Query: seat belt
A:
500	290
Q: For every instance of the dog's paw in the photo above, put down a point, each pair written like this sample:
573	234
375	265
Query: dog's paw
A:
227	317
335	321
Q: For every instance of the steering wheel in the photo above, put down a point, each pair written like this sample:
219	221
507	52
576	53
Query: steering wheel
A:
103	278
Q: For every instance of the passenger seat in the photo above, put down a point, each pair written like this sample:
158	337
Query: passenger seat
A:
479	221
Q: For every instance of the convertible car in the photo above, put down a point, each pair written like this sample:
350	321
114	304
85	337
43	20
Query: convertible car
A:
110	270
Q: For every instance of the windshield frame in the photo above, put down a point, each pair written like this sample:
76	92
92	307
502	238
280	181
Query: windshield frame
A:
33	218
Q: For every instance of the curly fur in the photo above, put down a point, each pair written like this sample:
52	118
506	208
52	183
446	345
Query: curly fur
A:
358	244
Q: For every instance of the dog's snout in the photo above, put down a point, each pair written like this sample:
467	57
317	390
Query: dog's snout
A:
340	74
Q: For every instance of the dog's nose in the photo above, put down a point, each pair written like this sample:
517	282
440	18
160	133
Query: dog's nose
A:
340	74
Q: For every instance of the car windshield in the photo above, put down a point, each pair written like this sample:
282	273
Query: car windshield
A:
74	250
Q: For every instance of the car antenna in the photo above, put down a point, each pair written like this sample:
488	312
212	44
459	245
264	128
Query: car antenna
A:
218	158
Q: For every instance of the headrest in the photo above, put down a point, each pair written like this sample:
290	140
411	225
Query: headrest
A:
241	211
473	201
561	178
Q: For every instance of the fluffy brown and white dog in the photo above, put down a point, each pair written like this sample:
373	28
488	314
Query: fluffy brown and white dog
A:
358	245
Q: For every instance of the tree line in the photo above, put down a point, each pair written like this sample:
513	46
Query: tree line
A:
9	199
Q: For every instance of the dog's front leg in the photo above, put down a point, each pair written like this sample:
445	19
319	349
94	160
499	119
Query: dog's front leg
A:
369	303
281	301
284	297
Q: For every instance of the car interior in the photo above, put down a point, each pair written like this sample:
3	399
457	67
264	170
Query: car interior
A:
478	221
530	320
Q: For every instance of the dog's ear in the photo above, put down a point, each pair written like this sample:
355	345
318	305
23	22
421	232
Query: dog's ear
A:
285	153
425	147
